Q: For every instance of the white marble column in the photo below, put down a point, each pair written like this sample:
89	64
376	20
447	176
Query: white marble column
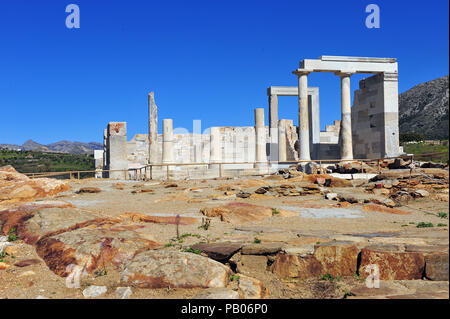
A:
215	150
346	117
303	114
167	156
282	155
153	129
260	138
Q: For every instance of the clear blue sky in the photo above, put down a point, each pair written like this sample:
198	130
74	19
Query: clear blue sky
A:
210	60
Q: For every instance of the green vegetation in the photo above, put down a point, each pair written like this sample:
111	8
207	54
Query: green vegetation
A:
411	137
423	225
327	277
422	148
275	212
441	225
36	162
257	241
190	250
442	215
234	277
190	235
12	236
347	294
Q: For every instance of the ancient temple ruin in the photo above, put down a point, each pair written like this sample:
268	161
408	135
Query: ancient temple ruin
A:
366	130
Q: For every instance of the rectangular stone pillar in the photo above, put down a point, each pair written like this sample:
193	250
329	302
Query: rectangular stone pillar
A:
117	146
273	127
98	162
390	137
167	156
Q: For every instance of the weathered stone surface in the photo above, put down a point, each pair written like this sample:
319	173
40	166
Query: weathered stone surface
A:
261	249
16	187
383	209
27	262
393	265
94	291
217	293
15	217
218	251
91	247
123	292
164	268
292	266
239	213
337	259
142	218
299	250
49	221
247	264
436	266
251	288
91	190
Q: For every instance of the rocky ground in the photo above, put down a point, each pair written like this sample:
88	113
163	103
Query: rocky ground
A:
286	235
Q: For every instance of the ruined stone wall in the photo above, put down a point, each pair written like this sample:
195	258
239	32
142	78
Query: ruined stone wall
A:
329	141
375	117
237	144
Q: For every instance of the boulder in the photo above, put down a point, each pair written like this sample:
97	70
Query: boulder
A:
166	268
337	259
16	187
94	291
218	251
393	265
92	247
293	266
436	266
251	288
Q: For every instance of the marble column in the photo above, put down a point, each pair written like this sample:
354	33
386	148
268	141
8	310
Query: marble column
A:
167	156
346	117
117	146
273	127
282	155
215	150
303	114
260	138
153	130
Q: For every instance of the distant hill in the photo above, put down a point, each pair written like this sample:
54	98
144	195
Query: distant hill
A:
58	147
424	109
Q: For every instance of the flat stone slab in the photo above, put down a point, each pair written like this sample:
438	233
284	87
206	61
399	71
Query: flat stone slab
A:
218	251
261	249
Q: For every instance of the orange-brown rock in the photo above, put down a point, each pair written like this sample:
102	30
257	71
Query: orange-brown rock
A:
384	209
329	180
251	288
91	248
142	218
16	187
239	213
168	268
292	266
337	259
392	265
89	190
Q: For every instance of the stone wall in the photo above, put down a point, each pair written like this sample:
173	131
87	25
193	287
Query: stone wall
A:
375	117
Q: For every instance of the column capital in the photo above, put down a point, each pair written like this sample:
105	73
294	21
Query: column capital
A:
344	74
300	72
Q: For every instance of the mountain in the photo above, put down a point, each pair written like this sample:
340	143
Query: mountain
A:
424	109
58	147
